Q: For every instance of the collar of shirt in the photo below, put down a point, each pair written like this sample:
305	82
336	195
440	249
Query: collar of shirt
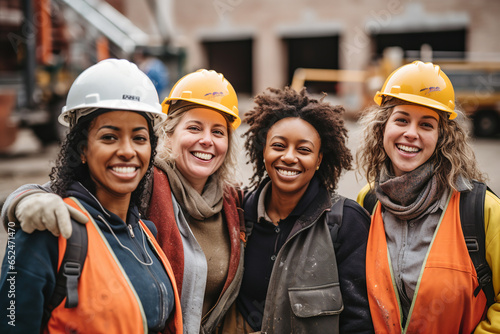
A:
302	205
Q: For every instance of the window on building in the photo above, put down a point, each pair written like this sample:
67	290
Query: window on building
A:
234	60
444	44
313	52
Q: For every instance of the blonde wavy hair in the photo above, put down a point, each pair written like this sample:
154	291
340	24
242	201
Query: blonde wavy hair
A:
452	158
227	173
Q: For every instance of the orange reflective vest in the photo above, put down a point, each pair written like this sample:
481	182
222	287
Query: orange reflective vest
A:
444	299
107	301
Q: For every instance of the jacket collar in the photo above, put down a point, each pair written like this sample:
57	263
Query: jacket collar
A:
94	207
315	201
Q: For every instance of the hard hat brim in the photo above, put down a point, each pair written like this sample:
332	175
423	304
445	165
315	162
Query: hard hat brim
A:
126	105
424	101
214	105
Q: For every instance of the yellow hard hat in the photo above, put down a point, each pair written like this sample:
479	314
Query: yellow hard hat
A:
421	83
207	88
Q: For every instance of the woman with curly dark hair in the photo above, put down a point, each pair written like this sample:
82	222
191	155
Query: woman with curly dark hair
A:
305	254
125	283
70	169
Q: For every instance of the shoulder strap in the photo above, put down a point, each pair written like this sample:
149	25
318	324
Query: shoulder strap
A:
472	220
369	201
334	217
241	214
69	271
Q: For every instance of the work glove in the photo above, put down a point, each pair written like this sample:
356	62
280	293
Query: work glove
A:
44	211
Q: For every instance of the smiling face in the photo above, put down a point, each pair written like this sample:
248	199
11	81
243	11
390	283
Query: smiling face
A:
410	137
199	144
291	155
118	152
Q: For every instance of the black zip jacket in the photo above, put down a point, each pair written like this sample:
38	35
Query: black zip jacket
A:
304	269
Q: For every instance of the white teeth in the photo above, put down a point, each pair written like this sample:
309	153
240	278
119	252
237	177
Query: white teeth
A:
124	170
203	156
408	149
287	172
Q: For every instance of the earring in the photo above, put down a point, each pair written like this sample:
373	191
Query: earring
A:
84	161
317	167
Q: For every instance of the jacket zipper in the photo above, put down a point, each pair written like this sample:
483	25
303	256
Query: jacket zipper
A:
131	230
161	289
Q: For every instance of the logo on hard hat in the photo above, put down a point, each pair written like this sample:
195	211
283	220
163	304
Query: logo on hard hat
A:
429	90
131	97
214	95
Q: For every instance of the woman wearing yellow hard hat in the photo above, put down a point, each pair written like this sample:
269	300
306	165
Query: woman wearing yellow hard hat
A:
194	185
423	180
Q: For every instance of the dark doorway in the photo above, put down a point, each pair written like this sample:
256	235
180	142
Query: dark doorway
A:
313	52
445	44
234	60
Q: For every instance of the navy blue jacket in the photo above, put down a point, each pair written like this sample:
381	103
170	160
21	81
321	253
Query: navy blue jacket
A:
35	266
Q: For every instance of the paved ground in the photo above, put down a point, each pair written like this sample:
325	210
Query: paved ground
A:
28	162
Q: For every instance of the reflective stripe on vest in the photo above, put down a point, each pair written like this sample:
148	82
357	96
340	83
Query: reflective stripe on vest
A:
108	302
444	299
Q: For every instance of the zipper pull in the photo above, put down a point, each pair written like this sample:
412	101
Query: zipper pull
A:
131	230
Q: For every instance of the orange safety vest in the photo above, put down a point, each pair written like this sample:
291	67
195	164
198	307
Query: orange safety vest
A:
444	299
107	301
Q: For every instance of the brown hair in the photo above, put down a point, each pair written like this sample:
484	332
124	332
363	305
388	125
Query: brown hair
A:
452	158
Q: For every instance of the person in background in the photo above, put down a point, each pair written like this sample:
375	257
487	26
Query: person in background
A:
154	68
418	163
126	284
305	254
192	199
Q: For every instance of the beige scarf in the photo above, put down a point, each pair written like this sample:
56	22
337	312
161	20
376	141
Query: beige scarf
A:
206	222
410	195
198	206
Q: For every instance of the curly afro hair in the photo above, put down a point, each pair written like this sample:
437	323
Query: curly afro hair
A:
69	167
274	105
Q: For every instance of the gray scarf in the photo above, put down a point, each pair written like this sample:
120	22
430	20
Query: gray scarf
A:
199	207
408	196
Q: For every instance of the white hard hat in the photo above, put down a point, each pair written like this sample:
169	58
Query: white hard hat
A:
112	84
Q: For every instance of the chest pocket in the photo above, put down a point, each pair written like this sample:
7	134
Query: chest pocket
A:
316	301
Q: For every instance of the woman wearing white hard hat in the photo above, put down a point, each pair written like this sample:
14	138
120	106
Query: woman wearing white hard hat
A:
123	282
192	201
422	178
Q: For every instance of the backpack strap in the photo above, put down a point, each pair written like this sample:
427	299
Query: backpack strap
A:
472	221
334	217
369	201
241	214
69	272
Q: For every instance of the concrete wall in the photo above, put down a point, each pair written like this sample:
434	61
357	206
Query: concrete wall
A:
268	21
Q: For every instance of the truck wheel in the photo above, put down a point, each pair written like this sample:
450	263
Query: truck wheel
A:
486	123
